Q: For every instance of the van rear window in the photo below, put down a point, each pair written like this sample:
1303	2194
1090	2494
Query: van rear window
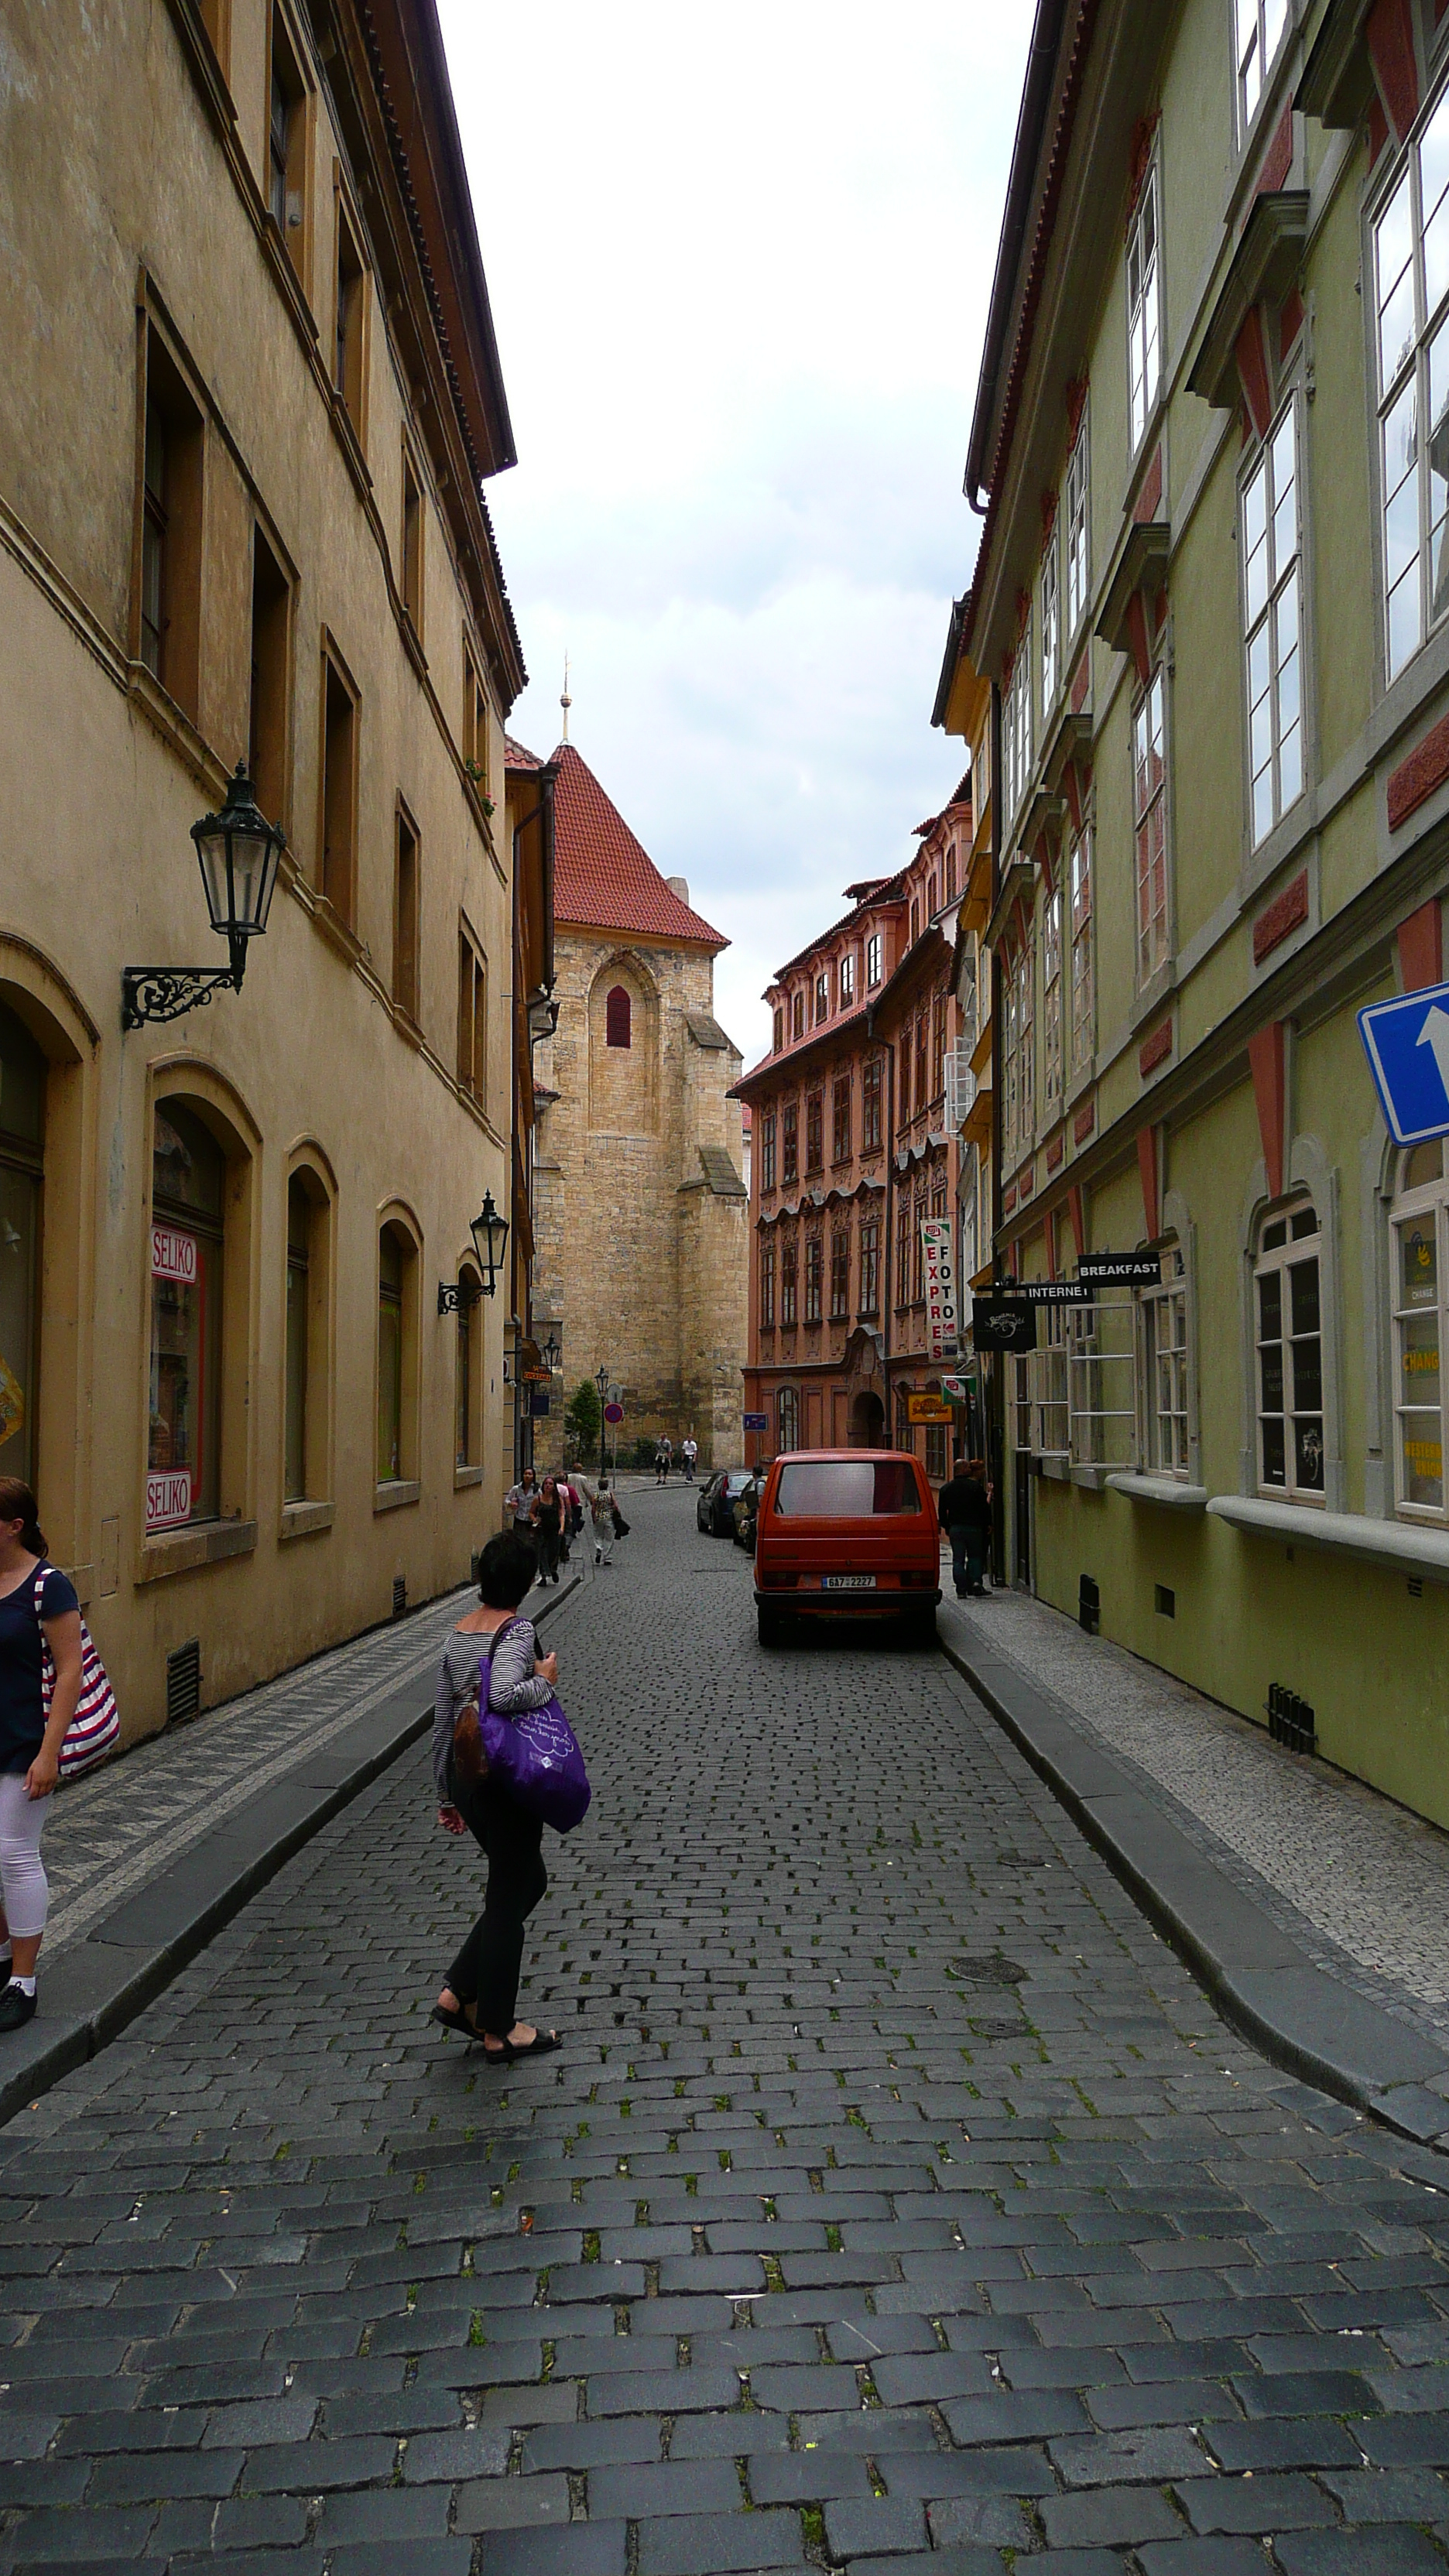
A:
847	1489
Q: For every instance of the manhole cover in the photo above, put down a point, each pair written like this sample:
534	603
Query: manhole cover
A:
990	1970
1021	1860
988	2026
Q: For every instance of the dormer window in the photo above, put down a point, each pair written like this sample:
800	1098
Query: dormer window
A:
779	1029
847	979
797	1015
822	997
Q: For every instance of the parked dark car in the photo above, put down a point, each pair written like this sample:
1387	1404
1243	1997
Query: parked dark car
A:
715	1509
747	1509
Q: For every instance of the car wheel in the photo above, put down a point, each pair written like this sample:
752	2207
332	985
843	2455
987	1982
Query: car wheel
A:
771	1626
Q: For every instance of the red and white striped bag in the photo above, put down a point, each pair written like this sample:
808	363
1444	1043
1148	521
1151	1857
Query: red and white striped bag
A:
95	1728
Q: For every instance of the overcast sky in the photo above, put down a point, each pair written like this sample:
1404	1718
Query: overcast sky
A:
739	269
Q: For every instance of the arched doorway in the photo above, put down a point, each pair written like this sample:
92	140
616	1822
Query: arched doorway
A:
867	1421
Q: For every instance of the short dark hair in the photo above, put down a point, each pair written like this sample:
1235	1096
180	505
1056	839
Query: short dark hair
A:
506	1570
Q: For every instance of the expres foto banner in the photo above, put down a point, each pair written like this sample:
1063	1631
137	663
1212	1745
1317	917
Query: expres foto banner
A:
938	1270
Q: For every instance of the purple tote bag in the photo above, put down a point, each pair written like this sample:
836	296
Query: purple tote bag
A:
535	1755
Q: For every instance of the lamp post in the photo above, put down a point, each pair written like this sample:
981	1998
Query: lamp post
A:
601	1381
490	1233
238	852
552	1354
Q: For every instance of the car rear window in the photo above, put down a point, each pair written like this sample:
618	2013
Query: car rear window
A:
847	1489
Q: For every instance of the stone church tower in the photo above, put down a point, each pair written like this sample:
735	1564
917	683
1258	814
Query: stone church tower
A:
641	1241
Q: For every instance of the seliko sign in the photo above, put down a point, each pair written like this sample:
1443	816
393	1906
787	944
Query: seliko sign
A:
1407	1045
173	1256
168	1499
938	1265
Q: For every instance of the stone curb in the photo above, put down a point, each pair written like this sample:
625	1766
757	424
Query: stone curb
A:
1264	1982
133	1953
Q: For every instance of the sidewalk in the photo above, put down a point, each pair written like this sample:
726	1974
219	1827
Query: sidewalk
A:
153	1854
1316	1910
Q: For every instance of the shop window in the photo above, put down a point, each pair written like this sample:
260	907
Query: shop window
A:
814	1131
790	1143
840	1118
339	790
306	1464
1162	1327
1149	826
172	500
267	713
1081	930
1272	625
412	544
1079	545
405	914
767	1151
767	1288
1418	1224
468	1379
839	1276
617	1018
1257	32
22	1142
473	1018
870	1106
349	288
286	141
188	1200
1411	275
396	1356
1289	1355
1144	311
814	1258
1051	625
870	1267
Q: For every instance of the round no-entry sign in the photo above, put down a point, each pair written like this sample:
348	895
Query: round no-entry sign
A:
613	1413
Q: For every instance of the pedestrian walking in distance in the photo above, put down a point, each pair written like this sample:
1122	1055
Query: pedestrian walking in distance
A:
480	1998
963	1508
547	1515
689	1452
663	1460
518	1503
601	1513
30	1741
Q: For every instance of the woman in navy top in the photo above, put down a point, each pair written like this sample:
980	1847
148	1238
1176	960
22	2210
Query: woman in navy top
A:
29	1743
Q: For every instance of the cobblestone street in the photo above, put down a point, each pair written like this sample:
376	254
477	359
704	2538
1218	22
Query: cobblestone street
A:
896	2198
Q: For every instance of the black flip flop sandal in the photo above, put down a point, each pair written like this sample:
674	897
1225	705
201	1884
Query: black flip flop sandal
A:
453	2021
543	2044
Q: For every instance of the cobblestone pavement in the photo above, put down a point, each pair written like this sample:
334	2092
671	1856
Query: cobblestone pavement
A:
896	2199
136	1815
1369	1878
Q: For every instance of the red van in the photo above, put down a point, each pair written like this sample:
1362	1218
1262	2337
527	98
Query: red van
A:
847	1533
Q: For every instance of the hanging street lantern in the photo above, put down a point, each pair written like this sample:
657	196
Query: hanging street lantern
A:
239	853
490	1233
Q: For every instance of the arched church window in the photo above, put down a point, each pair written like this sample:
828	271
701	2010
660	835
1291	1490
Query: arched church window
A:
616	1018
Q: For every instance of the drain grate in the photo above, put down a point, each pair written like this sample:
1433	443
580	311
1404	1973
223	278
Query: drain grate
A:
183	1682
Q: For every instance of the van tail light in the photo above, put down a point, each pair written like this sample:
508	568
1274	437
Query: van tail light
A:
911	1582
772	1580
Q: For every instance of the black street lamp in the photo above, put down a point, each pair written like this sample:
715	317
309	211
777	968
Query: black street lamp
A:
601	1381
490	1233
552	1353
238	852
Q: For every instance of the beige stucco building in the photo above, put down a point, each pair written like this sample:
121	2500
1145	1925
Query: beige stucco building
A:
641	1248
250	388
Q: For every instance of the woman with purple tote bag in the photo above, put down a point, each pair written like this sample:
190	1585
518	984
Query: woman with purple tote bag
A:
505	1761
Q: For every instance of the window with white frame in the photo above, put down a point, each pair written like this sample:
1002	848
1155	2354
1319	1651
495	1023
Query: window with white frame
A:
1149	825
1288	1334
1144	310
1010	1062
1257	33
1051	626
1025	981
1051	1000
847	979
1419	1233
1162	1378
1081	935
1079	565
1411	284
1272	625
1016	730
874	951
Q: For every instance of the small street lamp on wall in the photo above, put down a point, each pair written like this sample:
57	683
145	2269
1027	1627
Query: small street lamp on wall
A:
601	1381
238	852
490	1233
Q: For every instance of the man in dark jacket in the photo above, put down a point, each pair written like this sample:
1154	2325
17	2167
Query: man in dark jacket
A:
963	1508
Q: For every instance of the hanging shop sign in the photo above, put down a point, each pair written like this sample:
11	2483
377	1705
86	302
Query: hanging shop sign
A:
1056	1292
1121	1269
1003	1324
959	1389
927	1408
938	1273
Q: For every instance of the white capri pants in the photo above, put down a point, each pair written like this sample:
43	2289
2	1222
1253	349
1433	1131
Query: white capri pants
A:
23	1883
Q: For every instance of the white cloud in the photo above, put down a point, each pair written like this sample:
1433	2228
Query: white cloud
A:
739	270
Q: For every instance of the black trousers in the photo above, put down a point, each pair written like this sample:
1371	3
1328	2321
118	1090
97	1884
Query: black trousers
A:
547	1541
487	1968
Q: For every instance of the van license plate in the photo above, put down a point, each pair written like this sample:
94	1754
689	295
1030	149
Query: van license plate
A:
847	1583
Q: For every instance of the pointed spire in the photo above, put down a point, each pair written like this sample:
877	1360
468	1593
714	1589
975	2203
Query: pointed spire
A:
566	701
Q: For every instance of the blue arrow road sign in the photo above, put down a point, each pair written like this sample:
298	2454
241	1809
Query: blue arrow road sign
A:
1407	1045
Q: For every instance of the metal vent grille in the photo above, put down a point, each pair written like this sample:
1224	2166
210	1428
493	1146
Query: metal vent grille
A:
183	1682
399	1595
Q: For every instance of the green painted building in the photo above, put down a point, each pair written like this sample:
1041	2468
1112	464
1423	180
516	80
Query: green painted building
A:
1212	597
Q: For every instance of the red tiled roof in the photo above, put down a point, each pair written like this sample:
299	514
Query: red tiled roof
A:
516	755
603	877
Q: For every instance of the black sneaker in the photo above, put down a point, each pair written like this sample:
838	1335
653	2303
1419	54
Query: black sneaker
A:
16	2008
